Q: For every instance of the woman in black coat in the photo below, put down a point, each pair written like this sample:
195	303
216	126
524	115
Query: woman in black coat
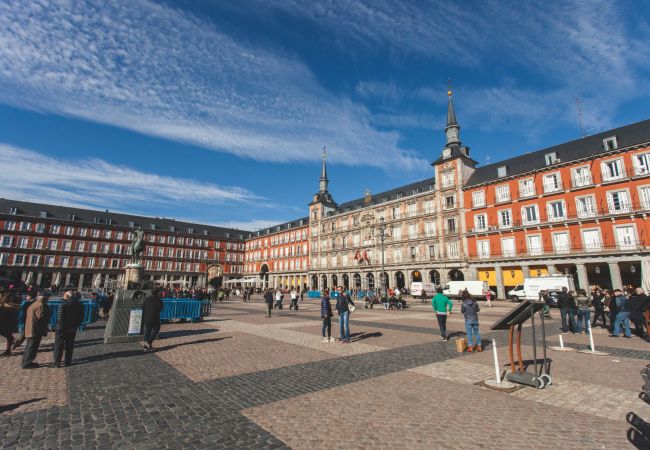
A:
151	309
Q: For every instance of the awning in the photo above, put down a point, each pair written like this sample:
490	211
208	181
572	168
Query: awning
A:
245	280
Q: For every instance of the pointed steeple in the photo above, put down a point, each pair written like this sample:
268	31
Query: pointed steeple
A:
323	173
452	130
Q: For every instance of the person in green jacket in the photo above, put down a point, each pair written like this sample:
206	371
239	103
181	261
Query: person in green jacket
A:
442	306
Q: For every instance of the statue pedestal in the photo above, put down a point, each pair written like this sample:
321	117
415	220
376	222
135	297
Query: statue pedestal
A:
132	274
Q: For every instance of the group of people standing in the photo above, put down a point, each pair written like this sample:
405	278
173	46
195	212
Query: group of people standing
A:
36	325
619	306
344	306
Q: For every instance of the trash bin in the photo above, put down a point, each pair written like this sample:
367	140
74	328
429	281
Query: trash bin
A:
461	344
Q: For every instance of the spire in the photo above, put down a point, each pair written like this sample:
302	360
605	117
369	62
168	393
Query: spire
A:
323	173
452	130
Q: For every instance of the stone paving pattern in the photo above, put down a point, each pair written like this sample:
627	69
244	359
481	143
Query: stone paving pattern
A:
241	380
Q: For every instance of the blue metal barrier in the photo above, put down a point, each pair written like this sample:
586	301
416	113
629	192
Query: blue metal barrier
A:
91	314
182	308
313	294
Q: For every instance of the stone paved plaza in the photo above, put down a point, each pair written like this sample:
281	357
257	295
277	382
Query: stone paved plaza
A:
241	380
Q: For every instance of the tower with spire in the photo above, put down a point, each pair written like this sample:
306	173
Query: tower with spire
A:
322	201
453	147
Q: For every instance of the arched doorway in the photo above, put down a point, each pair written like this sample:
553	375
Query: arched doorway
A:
314	282
456	275
346	281
323	284
386	280
215	275
335	281
356	279
434	277
370	281
399	280
416	276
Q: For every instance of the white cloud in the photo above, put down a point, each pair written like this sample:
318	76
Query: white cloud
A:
97	184
163	72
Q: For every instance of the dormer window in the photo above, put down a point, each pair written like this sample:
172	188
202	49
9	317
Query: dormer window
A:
43	214
205	232
172	228
153	226
551	158
13	211
190	230
502	171
610	143
131	224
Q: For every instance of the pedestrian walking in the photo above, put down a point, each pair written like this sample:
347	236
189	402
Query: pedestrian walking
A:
36	324
566	304
470	310
29	299
488	297
326	315
9	309
622	315
268	299
294	300
343	305
151	309
598	302
279	297
584	313
638	303
69	318
442	307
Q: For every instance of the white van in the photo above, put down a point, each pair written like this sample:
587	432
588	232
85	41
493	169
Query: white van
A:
532	286
417	287
476	289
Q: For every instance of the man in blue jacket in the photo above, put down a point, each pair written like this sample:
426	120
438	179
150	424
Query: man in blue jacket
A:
69	318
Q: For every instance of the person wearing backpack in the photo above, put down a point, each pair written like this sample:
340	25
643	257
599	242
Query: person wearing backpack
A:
470	310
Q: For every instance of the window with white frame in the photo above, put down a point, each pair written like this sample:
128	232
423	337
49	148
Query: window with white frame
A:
581	176
95	232
551	158
4	258
508	246
618	202
478	199
38	243
610	143
430	228
552	182
6	241
397	232
527	187
69	230
534	244
530	214
591	240
83	231
447	178
397	255
412	209
480	222
452	249
105	248
428	206
503	193
556	210
612	169
40	227
34	260
483	249
93	247
625	237
413	231
451	224
23	242
53	244
502	171
644	196
67	246
49	261
10	226
55	229
450	201
641	163
561	242
505	218
585	206
433	251
396	212
78	262
19	260
25	226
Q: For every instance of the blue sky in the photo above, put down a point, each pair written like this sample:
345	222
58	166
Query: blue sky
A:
217	111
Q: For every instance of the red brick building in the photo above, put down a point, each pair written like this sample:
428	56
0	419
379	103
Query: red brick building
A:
580	208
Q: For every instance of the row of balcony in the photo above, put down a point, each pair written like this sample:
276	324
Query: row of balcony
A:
632	246
544	219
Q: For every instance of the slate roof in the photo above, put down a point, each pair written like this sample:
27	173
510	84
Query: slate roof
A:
280	227
626	136
111	219
386	196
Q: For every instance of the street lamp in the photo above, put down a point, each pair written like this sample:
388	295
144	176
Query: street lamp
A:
382	238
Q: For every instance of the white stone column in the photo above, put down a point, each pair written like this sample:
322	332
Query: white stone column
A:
615	275
583	281
501	291
525	270
551	269
81	281
67	279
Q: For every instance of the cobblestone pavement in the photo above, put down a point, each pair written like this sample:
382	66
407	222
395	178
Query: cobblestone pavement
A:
240	380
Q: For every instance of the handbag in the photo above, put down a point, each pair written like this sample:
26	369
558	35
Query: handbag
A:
351	307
